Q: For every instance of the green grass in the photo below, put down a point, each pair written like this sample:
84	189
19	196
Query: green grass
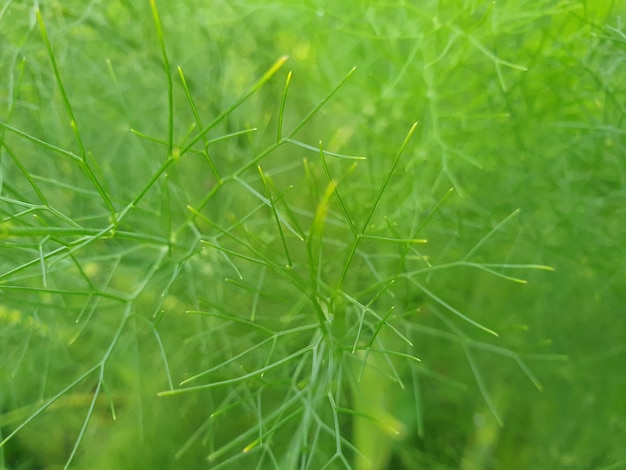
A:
312	235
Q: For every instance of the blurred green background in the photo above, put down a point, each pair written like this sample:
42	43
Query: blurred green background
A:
520	105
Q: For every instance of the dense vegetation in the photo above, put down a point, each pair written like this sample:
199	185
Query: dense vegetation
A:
248	234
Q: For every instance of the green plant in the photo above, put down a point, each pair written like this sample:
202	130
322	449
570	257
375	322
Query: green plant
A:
233	283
